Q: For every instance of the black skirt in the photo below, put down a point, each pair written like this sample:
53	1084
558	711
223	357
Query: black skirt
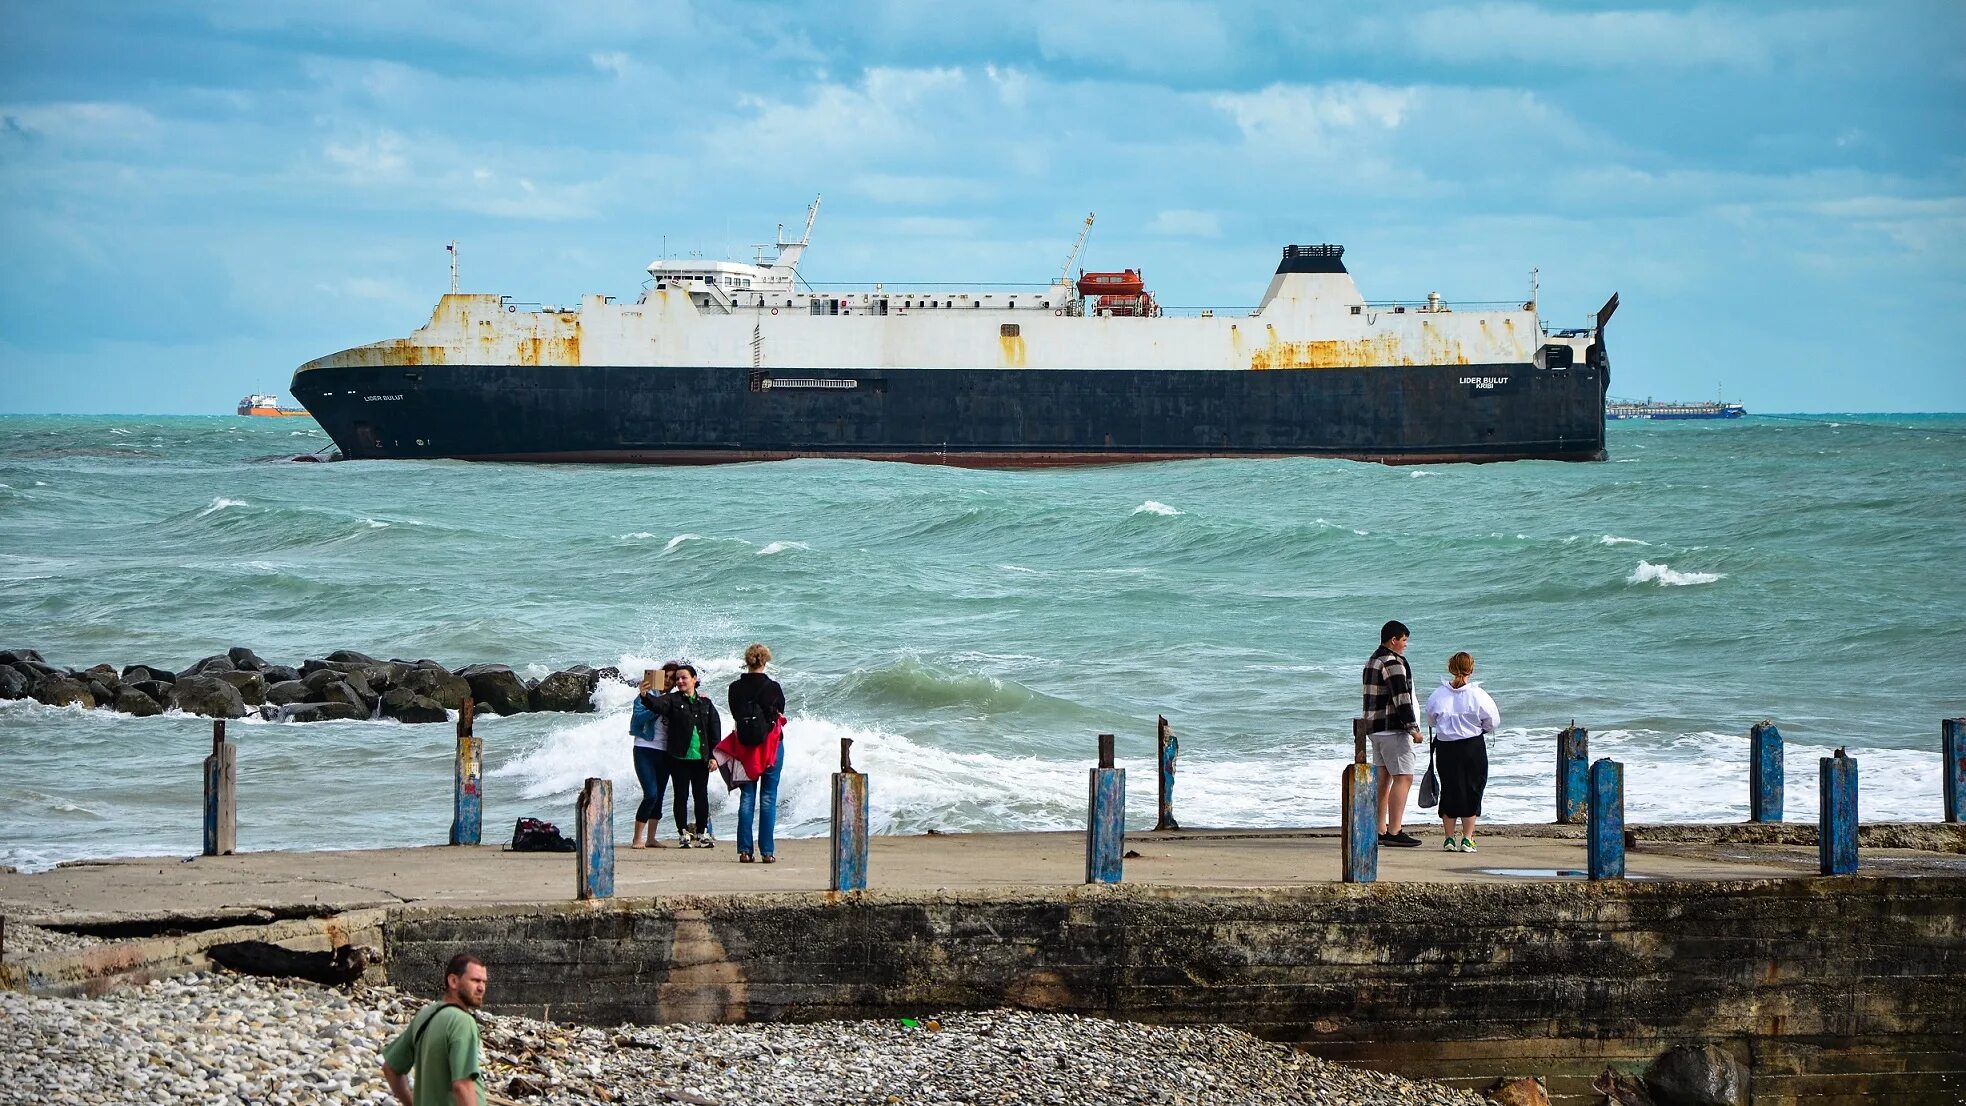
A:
1463	768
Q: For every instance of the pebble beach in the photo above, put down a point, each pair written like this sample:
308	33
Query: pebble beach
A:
222	1038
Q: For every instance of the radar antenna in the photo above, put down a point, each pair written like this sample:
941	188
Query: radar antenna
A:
1077	246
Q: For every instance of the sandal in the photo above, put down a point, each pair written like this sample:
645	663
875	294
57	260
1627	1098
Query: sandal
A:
744	858
770	859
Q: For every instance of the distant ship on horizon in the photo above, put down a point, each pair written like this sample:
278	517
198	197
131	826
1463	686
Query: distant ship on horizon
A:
1653	409
266	406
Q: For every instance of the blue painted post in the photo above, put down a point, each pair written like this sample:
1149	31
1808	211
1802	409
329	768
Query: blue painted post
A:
849	824
1953	743
1765	773
221	783
1572	774
1169	748
1358	800
594	846
467	791
1105	828
1607	820
1836	825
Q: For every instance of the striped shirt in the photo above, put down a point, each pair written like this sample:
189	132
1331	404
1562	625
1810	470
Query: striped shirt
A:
1389	694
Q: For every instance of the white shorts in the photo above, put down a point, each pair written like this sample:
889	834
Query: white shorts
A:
1396	752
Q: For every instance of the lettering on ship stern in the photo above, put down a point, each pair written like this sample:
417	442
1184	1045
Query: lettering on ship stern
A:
1488	384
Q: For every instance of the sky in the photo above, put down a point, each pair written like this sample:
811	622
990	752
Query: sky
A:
195	197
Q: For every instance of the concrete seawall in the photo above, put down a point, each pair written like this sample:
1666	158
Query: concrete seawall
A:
1830	990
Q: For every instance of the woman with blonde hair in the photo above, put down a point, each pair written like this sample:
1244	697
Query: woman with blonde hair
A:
757	711
1462	715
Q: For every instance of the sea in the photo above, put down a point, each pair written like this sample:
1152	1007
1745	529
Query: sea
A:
972	632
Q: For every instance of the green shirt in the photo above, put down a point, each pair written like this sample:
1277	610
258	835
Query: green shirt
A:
444	1053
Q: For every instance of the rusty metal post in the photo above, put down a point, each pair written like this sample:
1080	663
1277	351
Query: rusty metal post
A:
1358	805
1573	783
1105	830
1952	743
1167	749
593	818
1836	818
849	824
1359	751
1766	780
221	799
467	790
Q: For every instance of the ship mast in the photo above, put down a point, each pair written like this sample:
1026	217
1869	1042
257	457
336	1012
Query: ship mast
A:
452	249
790	252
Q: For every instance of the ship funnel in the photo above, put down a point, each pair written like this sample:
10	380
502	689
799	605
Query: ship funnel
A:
1314	277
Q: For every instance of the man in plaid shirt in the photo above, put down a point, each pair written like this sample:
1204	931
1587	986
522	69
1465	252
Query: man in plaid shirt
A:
1395	731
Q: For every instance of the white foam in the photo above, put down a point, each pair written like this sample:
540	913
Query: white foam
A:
1666	576
1155	507
1417	473
124	433
1613	539
679	539
220	504
374	525
639	535
781	546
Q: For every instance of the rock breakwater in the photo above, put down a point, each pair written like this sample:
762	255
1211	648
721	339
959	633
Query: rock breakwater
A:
345	684
220	1038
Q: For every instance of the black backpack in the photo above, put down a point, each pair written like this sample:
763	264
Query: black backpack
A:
531	835
754	725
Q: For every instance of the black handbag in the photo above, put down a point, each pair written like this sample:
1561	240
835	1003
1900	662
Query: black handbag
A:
1430	783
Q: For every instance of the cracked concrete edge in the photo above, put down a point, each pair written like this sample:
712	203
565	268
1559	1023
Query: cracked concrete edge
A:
115	965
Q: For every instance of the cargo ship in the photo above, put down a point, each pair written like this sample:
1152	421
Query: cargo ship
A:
1652	409
720	361
266	406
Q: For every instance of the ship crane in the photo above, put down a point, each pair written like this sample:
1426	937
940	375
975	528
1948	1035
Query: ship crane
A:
1078	246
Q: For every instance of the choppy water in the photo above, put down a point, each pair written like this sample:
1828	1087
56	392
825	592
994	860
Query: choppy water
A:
975	630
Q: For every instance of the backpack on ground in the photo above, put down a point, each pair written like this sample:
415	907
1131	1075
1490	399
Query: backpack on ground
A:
531	835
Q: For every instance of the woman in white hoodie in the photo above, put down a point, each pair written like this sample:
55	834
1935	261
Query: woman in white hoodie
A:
1461	714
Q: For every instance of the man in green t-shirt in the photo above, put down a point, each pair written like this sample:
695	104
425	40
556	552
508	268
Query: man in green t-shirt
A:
441	1043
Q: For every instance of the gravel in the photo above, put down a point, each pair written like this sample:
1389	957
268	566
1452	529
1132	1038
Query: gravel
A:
220	1038
26	942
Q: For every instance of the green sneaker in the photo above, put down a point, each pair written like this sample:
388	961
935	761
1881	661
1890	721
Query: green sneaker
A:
1467	844
1448	843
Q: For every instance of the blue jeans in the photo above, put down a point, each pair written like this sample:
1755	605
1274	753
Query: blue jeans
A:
652	770
747	801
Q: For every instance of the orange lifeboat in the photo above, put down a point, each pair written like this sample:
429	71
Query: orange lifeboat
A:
1126	283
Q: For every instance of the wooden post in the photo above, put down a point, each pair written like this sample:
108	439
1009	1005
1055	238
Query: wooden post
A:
221	787
1105	824
467	798
593	818
1359	750
1607	820
1358	799
849	824
1765	773
1952	776
1572	774
1168	748
1836	820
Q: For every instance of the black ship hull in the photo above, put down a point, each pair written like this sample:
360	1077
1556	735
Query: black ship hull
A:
977	417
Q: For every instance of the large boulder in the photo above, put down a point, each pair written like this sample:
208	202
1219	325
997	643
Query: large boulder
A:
244	659
319	681
319	712
13	685
15	656
102	693
134	672
279	674
105	674
63	691
351	655
405	705
251	685
1697	1075
218	662
131	701
383	675
497	687
285	692
436	683
164	693
209	696
565	691
340	692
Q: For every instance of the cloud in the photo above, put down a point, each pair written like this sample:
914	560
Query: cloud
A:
80	123
612	61
1153	37
1695	39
